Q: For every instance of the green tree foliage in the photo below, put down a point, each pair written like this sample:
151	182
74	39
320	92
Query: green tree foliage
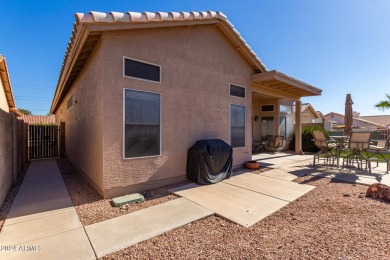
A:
25	111
307	138
384	104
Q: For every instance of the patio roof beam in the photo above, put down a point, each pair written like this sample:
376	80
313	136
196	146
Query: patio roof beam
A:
259	88
282	83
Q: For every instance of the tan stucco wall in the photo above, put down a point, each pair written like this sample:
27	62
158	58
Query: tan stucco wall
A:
6	153
3	100
197	65
84	121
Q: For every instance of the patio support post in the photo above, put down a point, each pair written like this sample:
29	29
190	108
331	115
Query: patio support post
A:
298	126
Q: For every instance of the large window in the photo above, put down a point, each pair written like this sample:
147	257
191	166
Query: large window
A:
141	70
237	126
142	124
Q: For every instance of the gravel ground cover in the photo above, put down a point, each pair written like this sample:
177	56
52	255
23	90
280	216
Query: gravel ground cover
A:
92	208
332	221
12	194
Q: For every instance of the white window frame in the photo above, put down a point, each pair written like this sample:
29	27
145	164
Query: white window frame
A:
230	126
237	86
124	124
147	80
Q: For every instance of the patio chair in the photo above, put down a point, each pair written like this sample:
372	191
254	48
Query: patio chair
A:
325	147
358	146
375	137
378	152
275	144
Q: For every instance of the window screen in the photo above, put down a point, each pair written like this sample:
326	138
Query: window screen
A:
142	124
69	103
267	108
237	91
141	70
237	126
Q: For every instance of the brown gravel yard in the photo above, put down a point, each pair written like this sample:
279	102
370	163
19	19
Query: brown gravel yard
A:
322	224
330	222
92	208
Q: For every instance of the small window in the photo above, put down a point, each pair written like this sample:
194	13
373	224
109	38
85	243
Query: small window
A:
141	70
237	91
142	124
237	126
267	108
69	103
285	109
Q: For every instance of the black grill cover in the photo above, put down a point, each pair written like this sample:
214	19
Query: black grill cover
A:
209	161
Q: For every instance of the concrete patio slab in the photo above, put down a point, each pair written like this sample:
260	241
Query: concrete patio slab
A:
26	231
42	191
242	206
121	232
43	217
281	174
72	244
281	189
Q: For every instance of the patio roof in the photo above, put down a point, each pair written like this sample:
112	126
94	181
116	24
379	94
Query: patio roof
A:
280	85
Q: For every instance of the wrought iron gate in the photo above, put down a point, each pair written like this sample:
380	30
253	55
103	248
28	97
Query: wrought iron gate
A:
43	142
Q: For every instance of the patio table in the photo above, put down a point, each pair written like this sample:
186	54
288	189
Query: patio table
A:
340	141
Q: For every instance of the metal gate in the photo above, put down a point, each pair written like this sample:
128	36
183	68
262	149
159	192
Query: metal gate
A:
42	142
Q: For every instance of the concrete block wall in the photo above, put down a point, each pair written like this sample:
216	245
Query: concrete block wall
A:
13	150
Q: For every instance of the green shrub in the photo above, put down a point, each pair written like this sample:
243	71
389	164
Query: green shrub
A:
307	138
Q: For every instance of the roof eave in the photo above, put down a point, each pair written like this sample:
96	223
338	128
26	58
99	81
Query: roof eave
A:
4	77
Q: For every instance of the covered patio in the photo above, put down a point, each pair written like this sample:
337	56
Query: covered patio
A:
274	95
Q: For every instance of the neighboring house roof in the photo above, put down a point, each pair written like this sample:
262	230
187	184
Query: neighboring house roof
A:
33	120
4	77
321	115
310	107
328	116
87	31
383	119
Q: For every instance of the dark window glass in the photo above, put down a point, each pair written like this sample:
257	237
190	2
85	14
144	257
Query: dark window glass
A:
69	103
142	124
267	108
141	70
237	126
237	91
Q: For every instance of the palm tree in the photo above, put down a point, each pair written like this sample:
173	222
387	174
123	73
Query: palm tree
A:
384	104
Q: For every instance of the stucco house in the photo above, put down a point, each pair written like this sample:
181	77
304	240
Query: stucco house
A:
364	122
7	101
137	90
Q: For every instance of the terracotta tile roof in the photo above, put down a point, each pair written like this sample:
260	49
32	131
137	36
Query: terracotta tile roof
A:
382	120
4	77
33	120
148	19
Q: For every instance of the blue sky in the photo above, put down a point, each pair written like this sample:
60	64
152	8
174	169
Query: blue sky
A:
340	46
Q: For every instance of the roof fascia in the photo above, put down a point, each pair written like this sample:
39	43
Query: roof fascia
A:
81	38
